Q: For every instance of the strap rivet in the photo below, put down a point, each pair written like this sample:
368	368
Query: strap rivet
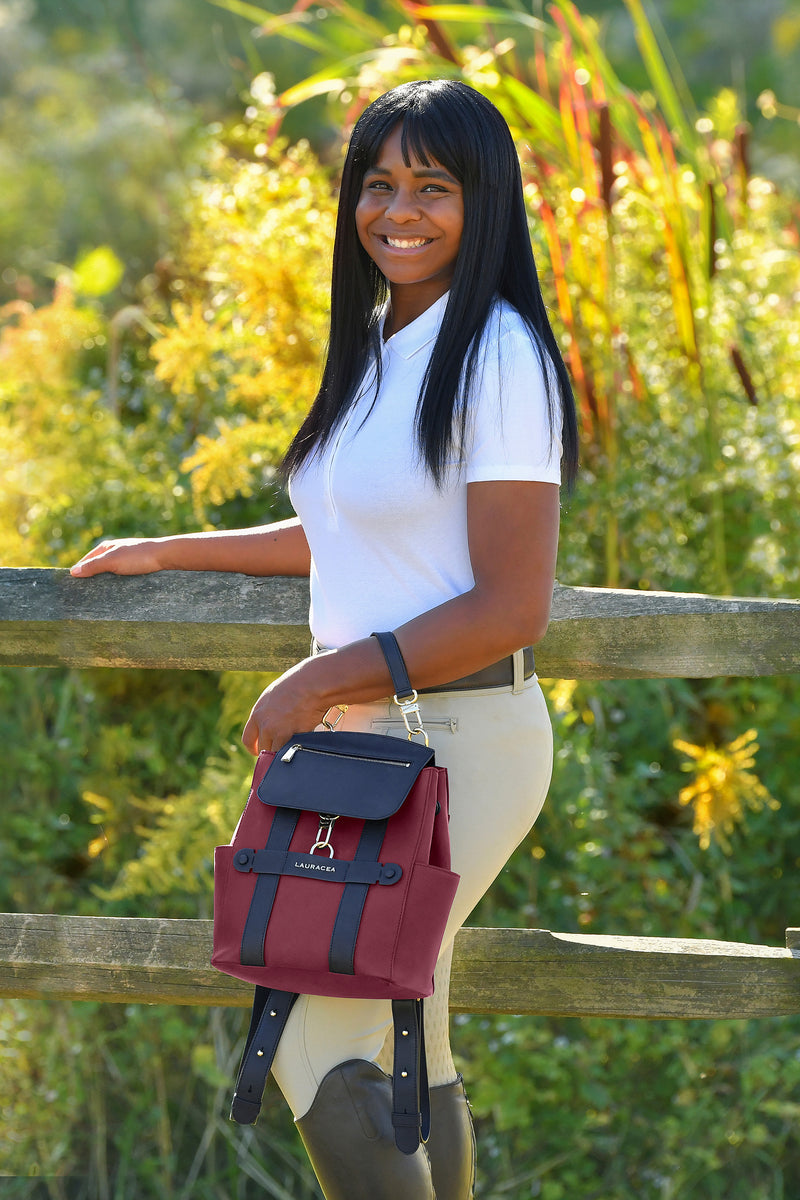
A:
272	1012
405	1033
404	1074
260	1053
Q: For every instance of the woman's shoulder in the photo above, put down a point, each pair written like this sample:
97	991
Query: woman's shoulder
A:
506	332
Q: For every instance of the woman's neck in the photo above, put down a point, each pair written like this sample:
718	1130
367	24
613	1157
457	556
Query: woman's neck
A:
408	303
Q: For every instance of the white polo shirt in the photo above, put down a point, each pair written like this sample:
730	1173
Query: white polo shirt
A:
386	544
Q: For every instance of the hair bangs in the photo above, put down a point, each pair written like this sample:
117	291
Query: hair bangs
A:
425	141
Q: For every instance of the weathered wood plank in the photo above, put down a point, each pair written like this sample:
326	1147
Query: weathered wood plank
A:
206	620
195	620
522	971
602	633
583	975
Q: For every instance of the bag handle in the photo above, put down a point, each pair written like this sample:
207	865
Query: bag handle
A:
396	664
405	697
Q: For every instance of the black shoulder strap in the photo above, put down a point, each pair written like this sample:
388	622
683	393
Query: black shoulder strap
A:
270	1013
411	1108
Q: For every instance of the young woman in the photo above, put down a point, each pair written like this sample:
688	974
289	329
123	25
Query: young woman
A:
426	481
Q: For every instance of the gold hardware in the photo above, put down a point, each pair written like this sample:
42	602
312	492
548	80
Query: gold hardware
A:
410	708
331	725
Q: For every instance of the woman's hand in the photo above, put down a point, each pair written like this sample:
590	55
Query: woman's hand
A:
291	704
122	556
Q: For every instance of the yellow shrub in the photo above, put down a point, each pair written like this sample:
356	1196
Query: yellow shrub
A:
248	328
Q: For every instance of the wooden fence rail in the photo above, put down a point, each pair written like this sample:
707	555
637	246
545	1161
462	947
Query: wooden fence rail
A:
193	620
494	970
204	620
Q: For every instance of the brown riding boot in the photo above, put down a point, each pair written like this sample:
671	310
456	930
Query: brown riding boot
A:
451	1145
349	1137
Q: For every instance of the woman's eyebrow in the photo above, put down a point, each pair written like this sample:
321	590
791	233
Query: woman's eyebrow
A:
418	173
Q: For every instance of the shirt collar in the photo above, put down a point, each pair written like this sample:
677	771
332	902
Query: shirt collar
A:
412	338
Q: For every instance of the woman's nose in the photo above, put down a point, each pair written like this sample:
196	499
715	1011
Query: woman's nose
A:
402	206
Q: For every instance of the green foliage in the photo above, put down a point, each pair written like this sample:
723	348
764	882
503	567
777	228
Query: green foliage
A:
89	757
175	859
96	140
151	1084
644	1111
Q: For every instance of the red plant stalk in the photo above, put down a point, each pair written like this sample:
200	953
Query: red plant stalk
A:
586	400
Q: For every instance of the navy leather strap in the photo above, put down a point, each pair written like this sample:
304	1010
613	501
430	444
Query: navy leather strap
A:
396	664
270	1013
315	866
351	906
411	1109
255	929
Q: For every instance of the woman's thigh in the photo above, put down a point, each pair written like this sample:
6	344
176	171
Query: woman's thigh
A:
498	750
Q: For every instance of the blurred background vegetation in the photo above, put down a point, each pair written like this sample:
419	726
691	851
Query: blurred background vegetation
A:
169	183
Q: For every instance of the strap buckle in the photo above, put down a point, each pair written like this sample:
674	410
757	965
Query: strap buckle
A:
409	708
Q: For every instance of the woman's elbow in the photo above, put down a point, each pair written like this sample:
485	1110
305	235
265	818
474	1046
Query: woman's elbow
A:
535	628
538	629
528	624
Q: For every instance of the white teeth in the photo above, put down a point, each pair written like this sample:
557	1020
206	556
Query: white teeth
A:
406	243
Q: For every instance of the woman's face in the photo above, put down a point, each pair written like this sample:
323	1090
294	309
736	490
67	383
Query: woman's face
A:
409	221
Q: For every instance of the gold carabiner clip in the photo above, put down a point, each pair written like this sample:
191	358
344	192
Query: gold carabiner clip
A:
409	707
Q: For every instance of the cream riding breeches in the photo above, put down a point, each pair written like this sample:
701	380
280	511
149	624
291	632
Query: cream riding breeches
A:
498	748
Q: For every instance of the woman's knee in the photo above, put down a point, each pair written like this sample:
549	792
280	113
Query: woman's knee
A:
323	1031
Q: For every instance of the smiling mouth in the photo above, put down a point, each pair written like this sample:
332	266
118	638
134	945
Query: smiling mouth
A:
396	243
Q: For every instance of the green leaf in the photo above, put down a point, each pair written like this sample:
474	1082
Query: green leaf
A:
338	75
241	9
98	272
663	82
476	14
541	116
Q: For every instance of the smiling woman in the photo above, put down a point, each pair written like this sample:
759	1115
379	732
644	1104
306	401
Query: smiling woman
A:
426	484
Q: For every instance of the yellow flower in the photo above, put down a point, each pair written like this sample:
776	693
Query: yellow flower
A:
723	787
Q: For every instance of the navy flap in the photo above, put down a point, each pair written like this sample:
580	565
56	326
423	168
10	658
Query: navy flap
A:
364	775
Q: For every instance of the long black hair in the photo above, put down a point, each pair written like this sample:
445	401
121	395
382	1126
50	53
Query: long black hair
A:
451	123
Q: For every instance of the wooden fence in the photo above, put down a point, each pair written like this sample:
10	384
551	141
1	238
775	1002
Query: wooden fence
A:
195	621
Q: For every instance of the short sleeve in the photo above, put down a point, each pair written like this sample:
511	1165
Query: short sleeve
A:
511	433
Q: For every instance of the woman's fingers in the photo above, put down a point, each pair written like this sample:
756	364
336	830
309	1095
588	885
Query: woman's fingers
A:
250	737
123	556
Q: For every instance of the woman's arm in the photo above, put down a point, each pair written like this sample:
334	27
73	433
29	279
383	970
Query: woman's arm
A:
513	540
277	549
